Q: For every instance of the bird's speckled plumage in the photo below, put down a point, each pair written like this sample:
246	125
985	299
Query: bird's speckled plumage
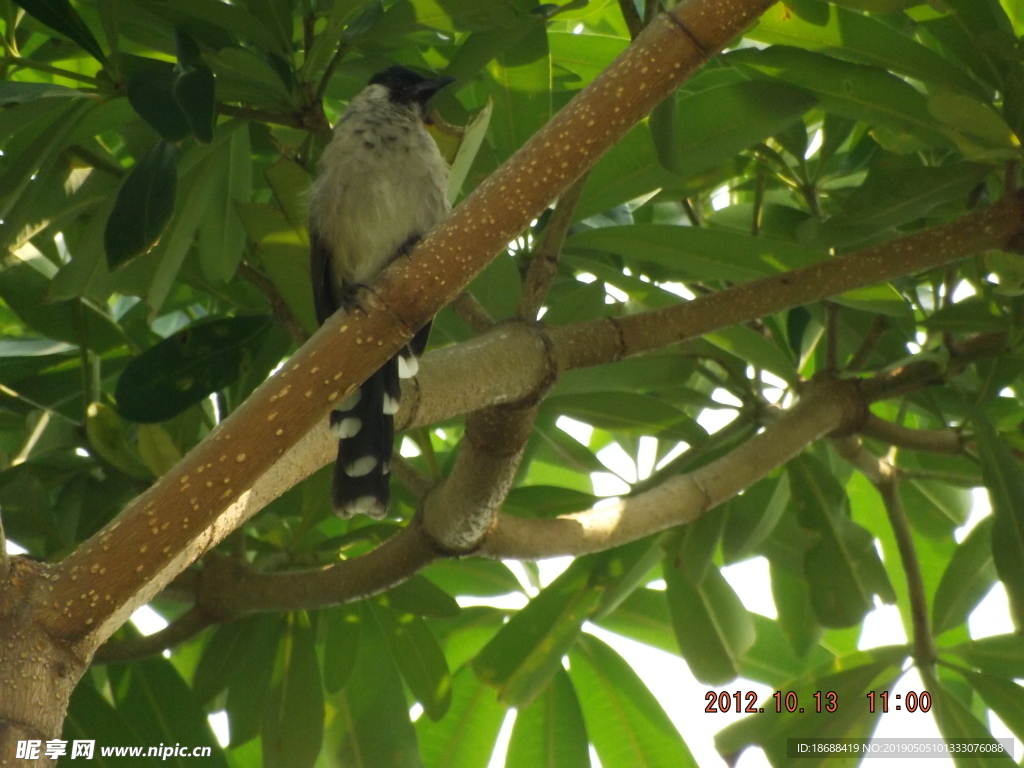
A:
381	186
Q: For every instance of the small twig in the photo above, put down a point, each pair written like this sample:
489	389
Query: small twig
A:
692	214
472	312
884	476
282	312
878	328
633	21
332	65
262	115
758	208
187	626
544	265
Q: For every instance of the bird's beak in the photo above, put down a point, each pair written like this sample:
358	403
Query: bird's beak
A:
426	90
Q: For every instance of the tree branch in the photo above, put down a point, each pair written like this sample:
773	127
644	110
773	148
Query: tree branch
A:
885	478
187	626
827	405
278	306
931	440
544	265
472	312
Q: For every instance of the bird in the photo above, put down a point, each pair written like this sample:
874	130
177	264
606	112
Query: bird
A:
380	186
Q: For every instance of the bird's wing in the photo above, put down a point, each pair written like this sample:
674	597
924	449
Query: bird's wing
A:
320	271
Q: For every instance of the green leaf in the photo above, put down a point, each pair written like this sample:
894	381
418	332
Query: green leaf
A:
842	566
151	93
864	39
1003	695
520	84
858	673
643	616
107	437
341	646
250	673
997	655
956	722
221	234
23	288
473	576
290	184
892	196
625	723
293	721
193	90
371	725
229	654
968	577
1004	480
523	656
466	735
16	92
715	124
698	254
851	90
550	731
472	137
419	659
629	413
90	716
712	627
62	17
420	596
160	707
144	204
184	368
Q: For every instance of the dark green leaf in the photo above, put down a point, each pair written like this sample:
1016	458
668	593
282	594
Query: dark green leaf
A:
185	368
193	91
144	204
293	721
420	596
842	566
151	94
371	726
997	655
419	660
61	16
341	646
1004	695
712	627
160	707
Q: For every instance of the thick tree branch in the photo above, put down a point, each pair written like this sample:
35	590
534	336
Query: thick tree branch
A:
826	406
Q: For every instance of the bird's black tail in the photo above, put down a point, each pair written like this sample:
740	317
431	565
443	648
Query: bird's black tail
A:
365	427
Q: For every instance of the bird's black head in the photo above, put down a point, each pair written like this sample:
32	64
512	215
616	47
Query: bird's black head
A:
406	87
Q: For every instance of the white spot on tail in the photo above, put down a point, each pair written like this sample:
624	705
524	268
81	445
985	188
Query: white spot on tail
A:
390	405
407	367
346	428
360	467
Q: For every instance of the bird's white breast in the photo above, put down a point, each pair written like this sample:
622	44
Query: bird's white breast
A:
381	182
